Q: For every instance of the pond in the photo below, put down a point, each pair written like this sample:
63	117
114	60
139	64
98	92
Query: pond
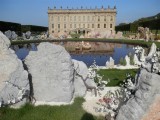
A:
99	51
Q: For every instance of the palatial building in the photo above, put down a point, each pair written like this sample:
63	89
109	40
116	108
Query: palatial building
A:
81	20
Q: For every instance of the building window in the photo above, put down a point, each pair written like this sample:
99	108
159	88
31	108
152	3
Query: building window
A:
64	25
98	26
58	25
88	18
104	18
111	18
52	25
88	25
53	31
79	25
92	17
79	18
110	25
74	18
92	25
98	18
70	25
64	18
58	30
83	18
52	18
74	25
104	25
83	25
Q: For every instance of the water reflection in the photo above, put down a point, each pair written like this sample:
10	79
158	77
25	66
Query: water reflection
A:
100	51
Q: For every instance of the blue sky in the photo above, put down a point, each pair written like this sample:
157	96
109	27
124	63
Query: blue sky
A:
34	12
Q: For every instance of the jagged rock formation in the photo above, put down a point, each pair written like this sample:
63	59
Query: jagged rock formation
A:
14	83
136	107
81	80
147	88
11	35
52	72
144	33
26	35
127	59
110	63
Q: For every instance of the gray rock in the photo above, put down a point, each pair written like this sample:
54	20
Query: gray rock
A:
52	72
11	35
28	35
152	51
81	80
110	63
14	83
137	106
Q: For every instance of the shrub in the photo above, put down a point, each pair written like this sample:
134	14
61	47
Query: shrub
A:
122	61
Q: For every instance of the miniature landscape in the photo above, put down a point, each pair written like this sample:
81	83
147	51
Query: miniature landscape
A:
109	73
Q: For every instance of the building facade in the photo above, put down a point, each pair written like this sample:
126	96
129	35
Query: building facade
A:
81	20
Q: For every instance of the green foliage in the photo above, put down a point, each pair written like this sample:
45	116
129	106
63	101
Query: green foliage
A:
153	23
45	112
116	76
4	26
75	35
33	28
122	61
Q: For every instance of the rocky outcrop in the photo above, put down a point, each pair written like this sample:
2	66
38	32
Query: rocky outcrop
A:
52	72
110	63
11	35
137	106
81	80
14	83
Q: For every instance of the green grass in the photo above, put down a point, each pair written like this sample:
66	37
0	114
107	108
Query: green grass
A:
64	112
116	76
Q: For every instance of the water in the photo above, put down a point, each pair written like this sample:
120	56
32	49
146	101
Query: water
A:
100	52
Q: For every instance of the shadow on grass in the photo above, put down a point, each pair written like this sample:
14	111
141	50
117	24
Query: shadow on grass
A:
87	116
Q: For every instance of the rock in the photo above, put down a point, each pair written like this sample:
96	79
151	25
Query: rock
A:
127	59
81	36
81	79
152	51
119	35
142	57
11	35
28	35
14	83
110	63
69	36
136	61
147	91
52	72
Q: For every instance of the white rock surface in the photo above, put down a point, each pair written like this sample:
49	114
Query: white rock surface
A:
14	83
127	59
147	91
81	80
110	63
152	51
52	73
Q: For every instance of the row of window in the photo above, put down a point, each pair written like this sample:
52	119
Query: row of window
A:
78	18
75	26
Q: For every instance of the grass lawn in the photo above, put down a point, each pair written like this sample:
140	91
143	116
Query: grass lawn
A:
67	112
116	76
